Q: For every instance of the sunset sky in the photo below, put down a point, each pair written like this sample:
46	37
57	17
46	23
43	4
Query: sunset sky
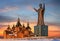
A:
10	10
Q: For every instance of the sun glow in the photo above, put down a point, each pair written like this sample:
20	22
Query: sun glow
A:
52	30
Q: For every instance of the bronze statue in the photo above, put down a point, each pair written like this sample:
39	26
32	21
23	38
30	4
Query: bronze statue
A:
40	14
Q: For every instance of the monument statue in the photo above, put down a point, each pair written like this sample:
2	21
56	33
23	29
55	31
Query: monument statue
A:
40	12
41	29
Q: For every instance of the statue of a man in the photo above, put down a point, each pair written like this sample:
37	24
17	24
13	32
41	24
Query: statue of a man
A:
40	12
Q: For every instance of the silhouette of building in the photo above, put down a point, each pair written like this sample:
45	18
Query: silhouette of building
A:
18	31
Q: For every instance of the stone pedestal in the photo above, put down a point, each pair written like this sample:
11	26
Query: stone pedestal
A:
41	30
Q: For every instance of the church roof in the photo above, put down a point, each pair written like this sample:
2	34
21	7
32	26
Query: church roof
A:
23	26
18	23
28	27
13	27
8	27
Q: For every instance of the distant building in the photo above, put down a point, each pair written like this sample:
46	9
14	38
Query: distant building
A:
18	31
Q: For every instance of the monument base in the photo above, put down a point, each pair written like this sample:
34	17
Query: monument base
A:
41	30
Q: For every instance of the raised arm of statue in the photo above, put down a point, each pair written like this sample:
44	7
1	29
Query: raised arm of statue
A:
44	6
36	10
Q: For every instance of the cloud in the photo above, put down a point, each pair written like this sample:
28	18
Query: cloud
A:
29	7
3	25
54	13
54	28
52	2
6	9
52	18
6	18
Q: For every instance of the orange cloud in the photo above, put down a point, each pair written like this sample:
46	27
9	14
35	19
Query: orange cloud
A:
54	33
54	28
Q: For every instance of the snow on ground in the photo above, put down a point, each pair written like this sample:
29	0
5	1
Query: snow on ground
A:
29	39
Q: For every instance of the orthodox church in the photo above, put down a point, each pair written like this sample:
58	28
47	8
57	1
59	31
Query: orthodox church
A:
18	31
